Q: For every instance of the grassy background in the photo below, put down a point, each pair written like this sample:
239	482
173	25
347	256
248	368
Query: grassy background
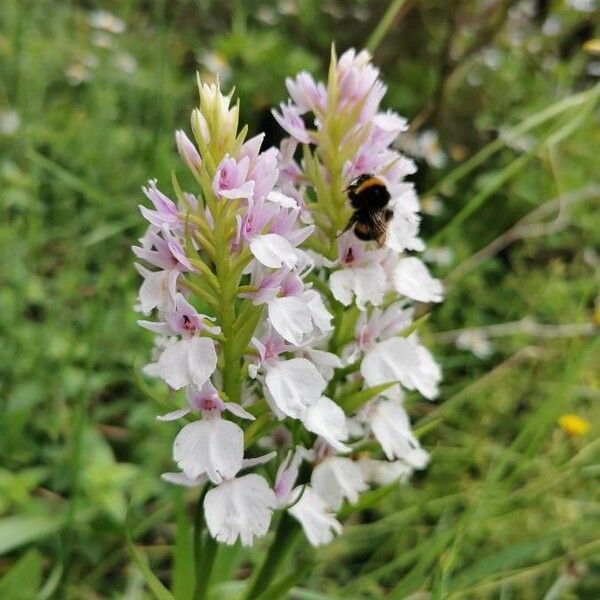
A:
509	507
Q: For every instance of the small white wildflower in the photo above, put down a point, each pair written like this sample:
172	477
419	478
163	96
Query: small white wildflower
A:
475	341
9	122
102	19
239	507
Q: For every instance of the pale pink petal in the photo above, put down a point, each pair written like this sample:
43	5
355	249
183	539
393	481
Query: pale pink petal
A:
174	415
240	507
412	279
326	362
239	411
336	479
187	150
391	427
287	473
430	372
290	318
403	360
292	122
183	480
189	361
390	361
294	384
368	284
327	419
249	463
391	122
342	285
211	446
251	147
273	251
312	512
158	289
403	231
319	314
281	199
246	190
155	327
383	472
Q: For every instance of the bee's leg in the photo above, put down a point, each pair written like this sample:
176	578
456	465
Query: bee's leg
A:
350	224
388	214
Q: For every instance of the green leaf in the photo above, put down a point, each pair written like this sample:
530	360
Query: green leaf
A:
23	580
516	555
303	594
352	402
257	428
51	584
416	325
421	430
225	564
152	581
368	499
183	571
513	134
280	588
155	585
246	325
18	531
384	25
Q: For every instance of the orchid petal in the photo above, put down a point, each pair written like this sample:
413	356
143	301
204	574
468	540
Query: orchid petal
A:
412	279
336	479
183	479
174	415
239	411
312	512
294	384
240	507
273	251
249	463
211	446
327	419
290	317
189	361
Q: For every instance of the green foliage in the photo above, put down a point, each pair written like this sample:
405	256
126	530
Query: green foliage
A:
22	581
17	531
508	507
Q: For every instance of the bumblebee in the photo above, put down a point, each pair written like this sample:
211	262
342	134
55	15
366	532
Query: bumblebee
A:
369	197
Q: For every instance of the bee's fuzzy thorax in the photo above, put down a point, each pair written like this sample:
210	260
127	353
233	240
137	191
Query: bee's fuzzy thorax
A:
370	182
369	197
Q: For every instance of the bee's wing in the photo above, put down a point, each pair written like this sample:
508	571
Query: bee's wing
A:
379	224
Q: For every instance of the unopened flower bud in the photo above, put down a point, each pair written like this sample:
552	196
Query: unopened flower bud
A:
187	150
200	127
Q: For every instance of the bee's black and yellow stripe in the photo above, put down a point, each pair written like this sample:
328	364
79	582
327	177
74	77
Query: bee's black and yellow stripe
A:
368	192
369	197
368	183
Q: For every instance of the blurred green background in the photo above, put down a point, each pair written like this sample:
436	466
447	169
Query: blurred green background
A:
505	129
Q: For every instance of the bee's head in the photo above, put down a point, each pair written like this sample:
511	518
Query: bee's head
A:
358	180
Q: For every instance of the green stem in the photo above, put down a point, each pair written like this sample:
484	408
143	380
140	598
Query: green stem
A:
231	356
511	135
201	293
207	561
228	281
287	530
205	550
383	26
